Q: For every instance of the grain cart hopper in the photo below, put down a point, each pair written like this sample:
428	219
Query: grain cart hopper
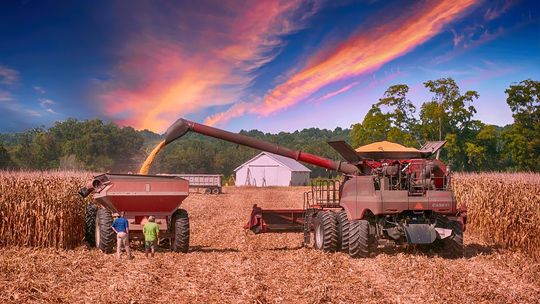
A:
138	196
385	198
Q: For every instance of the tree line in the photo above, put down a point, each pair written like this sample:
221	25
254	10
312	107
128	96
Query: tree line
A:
471	144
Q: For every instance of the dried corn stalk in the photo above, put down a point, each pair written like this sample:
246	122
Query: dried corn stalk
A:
503	208
42	209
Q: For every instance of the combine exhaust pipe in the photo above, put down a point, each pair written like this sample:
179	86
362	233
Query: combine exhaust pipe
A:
182	126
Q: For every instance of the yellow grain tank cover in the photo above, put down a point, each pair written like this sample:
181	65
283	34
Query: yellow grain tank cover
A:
385	146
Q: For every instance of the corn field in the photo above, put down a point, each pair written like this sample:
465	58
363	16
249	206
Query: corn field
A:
42	209
503	208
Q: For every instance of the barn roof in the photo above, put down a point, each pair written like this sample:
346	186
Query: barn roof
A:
290	163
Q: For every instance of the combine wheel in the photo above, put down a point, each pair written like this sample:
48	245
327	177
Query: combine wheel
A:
326	234
104	236
343	225
181	231
90	225
453	245
359	246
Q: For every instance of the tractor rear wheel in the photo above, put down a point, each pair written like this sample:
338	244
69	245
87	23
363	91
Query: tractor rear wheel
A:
343	225
90	225
453	245
181	231
104	236
326	234
359	245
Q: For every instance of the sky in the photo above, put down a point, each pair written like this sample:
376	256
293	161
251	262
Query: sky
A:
268	65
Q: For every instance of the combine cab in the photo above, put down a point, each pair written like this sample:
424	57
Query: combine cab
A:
387	196
138	196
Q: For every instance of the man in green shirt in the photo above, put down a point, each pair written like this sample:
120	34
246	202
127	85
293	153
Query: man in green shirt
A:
151	235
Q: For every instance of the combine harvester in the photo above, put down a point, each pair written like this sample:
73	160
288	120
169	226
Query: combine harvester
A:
386	198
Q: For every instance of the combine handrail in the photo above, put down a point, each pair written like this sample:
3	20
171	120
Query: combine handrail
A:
182	126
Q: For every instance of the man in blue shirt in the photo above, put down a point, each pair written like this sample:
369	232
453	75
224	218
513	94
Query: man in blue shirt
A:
121	226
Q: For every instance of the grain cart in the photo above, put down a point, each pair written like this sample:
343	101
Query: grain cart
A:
385	198
138	196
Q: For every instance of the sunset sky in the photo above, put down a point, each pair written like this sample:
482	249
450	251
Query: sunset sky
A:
270	65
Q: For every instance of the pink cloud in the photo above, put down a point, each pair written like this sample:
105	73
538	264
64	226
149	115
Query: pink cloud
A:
364	52
195	57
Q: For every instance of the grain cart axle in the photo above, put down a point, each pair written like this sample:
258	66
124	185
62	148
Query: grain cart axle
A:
138	196
386	197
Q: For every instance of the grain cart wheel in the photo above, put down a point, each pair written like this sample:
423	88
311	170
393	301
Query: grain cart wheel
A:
326	235
105	236
90	225
207	190
181	231
215	190
453	245
343	225
359	246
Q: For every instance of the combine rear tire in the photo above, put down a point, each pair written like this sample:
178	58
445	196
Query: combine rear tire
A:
359	245
90	225
453	245
343	225
181	231
105	237
326	235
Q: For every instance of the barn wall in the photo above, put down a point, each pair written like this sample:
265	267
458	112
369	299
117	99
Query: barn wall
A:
264	171
300	179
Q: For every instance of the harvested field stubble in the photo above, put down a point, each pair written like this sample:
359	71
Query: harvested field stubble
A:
227	265
503	208
42	209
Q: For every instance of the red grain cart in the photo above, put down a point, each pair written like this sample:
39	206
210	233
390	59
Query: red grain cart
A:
138	196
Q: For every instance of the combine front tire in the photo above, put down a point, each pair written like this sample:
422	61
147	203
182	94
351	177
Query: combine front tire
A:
326	235
181	231
104	236
359	245
90	225
453	245
343	225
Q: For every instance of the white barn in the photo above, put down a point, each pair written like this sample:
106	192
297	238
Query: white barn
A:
268	169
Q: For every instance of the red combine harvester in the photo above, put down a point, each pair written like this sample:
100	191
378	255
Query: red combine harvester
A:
138	196
385	198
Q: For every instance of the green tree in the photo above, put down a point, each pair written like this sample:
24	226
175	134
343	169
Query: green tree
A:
397	123
449	116
5	158
523	138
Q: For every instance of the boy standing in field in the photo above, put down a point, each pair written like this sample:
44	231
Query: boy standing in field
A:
151	235
121	226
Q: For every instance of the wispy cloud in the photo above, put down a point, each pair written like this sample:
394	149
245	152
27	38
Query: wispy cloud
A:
45	102
8	76
39	90
5	96
365	51
196	58
339	91
498	9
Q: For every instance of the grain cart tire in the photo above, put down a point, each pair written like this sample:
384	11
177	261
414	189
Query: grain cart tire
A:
181	231
90	225
105	236
326	234
359	246
343	225
453	245
207	190
215	191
